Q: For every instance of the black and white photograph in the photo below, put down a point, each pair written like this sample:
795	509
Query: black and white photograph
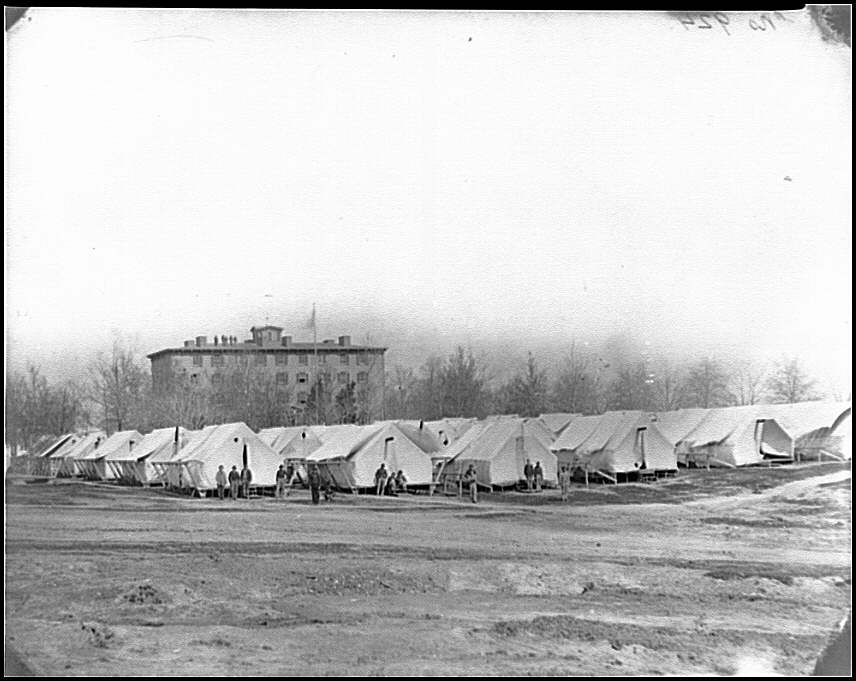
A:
427	342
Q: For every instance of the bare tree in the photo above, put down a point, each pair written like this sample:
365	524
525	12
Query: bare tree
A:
578	386
184	404
464	385
790	383
747	382
669	386
118	384
400	398
707	384
526	393
429	389
632	388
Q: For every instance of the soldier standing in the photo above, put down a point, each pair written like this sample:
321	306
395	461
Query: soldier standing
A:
246	479
315	483
538	474
528	473
281	480
221	481
471	479
380	478
234	479
565	482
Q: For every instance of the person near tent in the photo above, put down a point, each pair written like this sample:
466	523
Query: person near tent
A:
401	481
315	483
246	479
565	482
528	473
281	481
234	480
290	474
538	474
471	479
221	480
380	478
391	490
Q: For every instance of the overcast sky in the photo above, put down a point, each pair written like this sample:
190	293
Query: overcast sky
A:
475	175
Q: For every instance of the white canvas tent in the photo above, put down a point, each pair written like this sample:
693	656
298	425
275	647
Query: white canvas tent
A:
736	436
134	466
350	458
67	457
167	462
625	442
557	421
814	426
44	464
499	448
292	442
572	437
94	461
676	425
228	445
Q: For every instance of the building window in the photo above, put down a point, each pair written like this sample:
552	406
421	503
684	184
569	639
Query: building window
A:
344	358
217	360
281	377
302	377
301	397
197	360
194	378
216	379
362	358
261	360
242	359
362	377
303	358
343	377
322	359
281	358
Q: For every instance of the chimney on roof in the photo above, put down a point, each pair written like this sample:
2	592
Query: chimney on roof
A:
223	340
216	340
188	343
201	341
344	341
286	341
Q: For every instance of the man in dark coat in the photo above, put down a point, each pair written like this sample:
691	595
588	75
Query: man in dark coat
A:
529	474
234	480
315	483
380	478
246	479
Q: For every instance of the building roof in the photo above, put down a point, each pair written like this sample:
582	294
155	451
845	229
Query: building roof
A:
326	348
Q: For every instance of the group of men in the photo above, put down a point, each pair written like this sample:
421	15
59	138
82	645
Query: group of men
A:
235	481
385	483
534	476
389	484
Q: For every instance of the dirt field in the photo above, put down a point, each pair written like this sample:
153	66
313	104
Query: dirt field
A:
717	572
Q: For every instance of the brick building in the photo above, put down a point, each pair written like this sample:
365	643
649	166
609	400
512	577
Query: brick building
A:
292	365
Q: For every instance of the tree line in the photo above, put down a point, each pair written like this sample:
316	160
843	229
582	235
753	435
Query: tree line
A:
116	393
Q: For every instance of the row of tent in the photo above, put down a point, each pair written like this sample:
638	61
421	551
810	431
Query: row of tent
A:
613	444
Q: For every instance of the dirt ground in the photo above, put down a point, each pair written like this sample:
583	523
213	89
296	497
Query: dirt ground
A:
721	572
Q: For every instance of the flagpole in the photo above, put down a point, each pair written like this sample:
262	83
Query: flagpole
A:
317	375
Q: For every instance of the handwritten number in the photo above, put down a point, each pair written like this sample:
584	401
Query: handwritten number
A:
782	17
755	26
703	17
766	18
687	22
723	21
